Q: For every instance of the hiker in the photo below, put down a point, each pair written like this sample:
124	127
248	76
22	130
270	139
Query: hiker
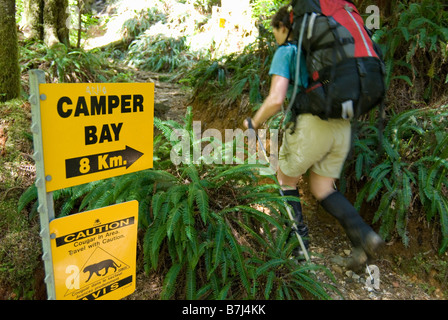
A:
314	144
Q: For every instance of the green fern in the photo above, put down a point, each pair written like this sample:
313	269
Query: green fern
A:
169	283
414	45
27	197
201	229
413	166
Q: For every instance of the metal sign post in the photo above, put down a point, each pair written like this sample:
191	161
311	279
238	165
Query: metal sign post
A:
46	205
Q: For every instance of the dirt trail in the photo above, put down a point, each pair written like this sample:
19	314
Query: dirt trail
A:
170	100
327	238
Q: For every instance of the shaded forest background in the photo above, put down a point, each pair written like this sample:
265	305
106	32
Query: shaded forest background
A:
202	227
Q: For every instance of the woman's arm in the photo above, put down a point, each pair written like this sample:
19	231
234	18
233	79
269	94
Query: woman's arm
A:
273	103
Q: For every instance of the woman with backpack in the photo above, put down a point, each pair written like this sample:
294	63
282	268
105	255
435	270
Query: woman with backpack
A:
314	144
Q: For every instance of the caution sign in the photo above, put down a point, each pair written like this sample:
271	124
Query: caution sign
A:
94	253
95	131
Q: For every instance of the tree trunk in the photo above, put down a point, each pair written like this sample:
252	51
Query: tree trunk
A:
9	52
55	22
33	19
46	20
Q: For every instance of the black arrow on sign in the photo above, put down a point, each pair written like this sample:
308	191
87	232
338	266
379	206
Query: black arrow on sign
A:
101	162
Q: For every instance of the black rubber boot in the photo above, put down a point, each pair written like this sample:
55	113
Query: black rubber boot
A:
360	233
302	228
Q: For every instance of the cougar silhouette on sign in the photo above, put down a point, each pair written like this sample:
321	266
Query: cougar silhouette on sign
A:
97	267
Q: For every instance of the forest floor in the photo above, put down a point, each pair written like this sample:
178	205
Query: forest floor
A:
404	273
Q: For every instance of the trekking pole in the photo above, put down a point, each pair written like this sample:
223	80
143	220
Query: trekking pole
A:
294	225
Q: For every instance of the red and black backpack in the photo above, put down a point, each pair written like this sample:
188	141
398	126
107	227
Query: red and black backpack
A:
345	67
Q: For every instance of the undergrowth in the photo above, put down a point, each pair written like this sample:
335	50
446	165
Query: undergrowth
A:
414	42
212	232
227	80
63	64
408	178
19	236
159	53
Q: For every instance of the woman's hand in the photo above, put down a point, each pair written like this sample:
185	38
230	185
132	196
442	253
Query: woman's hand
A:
246	124
272	104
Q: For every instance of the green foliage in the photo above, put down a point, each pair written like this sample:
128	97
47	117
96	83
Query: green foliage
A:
19	258
227	79
82	66
77	29
415	44
159	53
19	255
142	21
413	166
264	9
66	65
214	232
218	243
73	66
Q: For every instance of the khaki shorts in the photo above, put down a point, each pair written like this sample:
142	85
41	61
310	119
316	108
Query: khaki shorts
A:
318	144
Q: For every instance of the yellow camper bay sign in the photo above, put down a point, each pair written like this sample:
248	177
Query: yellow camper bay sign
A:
95	131
94	253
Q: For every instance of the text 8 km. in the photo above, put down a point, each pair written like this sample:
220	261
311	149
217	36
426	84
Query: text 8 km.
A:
104	163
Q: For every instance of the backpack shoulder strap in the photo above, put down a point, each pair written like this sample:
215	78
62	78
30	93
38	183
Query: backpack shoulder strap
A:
297	75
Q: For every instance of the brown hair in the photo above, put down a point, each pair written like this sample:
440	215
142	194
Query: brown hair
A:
283	15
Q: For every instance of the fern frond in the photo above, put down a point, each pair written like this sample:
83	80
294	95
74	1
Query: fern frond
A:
377	183
28	196
406	193
271	264
169	283
91	197
190	286
443	213
188	119
442	148
215	284
174	217
201	198
237	171
157	201
176	193
155	236
269	284
218	245
261	241
204	292
401	221
192	172
384	206
239	260
222	295
359	167
106	199
361	196
262	217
